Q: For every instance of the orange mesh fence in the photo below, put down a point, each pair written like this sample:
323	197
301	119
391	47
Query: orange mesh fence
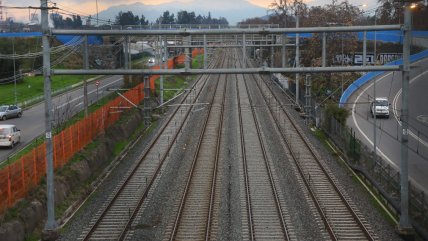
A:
180	59
19	177
4	190
196	52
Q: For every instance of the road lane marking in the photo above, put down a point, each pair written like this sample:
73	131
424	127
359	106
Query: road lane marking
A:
394	103
90	92
358	126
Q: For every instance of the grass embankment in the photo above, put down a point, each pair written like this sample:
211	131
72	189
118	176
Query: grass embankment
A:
32	87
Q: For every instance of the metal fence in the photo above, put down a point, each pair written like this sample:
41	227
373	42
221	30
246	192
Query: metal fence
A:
383	177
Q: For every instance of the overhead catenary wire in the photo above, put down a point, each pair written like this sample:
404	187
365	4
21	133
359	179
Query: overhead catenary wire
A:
54	50
57	61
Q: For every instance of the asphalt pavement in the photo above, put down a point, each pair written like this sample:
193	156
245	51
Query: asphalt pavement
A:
388	131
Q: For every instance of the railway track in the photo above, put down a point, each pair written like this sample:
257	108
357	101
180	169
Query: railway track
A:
264	214
114	218
265	208
340	217
195	218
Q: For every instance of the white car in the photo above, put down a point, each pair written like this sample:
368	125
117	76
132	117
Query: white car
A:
151	61
9	135
380	107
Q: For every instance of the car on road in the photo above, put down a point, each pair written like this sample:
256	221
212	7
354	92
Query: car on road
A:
9	135
9	111
380	107
151	61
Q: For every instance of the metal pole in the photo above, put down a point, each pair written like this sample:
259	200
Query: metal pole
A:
97	10
244	51
51	225
271	57
374	125
324	40
187	41
146	100
205	52
364	48
161	58
307	98
86	66
374	50
126	54
343	61
283	43
14	69
404	227
297	60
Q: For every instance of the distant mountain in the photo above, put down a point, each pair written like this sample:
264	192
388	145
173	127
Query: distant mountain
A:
234	11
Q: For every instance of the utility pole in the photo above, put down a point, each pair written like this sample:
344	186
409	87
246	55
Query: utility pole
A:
96	1
49	232
1	11
297	58
14	69
205	52
147	118
244	51
324	48
308	97
405	227
86	66
161	57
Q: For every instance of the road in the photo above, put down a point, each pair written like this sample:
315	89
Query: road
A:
32	122
388	132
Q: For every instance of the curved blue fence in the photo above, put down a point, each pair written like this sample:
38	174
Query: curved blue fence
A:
369	76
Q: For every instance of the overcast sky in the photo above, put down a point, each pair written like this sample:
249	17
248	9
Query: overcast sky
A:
88	7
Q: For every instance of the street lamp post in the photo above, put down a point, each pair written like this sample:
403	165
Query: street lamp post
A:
374	99
14	70
405	228
96	1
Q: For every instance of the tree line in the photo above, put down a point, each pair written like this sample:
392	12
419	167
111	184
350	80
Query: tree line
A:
182	17
129	18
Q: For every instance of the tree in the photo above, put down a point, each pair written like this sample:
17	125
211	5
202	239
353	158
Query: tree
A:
127	18
68	23
254	21
184	17
143	20
166	18
74	22
77	21
57	20
391	12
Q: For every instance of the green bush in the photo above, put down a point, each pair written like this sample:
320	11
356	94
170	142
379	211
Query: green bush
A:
340	114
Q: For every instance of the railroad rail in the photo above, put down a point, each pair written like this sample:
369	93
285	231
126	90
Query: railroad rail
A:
116	215
265	206
340	217
195	219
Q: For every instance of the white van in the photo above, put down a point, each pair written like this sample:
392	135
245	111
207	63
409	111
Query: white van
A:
380	107
9	135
